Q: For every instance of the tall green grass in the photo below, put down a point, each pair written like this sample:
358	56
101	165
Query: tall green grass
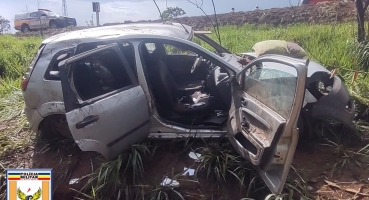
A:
333	46
15	54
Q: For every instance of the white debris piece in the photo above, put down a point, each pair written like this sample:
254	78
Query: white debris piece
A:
195	156
169	183
73	181
189	171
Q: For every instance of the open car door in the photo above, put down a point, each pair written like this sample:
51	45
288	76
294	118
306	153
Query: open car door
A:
106	108
267	98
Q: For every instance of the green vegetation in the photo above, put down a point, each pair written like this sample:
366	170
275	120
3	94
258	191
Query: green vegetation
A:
332	45
15	54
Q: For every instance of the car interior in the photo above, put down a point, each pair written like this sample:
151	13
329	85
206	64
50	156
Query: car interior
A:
188	90
103	72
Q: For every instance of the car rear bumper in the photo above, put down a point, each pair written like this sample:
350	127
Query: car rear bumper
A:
34	118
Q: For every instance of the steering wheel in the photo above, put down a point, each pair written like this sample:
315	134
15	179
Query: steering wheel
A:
196	63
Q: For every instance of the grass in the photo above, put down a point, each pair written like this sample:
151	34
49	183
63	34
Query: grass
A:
331	45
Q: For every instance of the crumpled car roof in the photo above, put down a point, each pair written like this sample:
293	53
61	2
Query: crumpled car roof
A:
117	31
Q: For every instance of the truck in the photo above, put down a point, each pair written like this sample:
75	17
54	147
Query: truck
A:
41	19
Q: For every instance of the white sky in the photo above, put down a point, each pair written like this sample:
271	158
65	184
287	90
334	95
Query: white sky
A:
118	11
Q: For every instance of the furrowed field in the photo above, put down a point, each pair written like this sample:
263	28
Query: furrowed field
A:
331	164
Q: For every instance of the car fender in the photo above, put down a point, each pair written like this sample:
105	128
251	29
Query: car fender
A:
51	108
36	119
46	109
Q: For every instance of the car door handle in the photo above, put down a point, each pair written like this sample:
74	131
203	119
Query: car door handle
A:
86	121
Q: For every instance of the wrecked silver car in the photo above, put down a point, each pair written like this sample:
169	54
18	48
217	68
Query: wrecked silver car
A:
110	87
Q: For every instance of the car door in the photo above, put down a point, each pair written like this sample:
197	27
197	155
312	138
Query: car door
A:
106	108
34	22
267	96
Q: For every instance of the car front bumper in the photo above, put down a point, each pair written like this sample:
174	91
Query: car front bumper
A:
336	105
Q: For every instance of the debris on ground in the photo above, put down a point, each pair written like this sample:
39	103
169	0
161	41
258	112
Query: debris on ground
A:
188	171
195	156
167	182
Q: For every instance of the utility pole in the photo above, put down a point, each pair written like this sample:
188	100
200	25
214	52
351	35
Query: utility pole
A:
65	11
96	8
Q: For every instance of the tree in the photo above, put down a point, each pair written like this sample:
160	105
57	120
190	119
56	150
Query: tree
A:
172	12
4	25
361	7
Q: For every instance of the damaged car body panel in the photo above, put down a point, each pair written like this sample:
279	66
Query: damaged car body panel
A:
121	84
106	121
332	100
262	126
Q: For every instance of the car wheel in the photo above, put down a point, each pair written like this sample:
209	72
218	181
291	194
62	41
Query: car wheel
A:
53	25
55	126
25	28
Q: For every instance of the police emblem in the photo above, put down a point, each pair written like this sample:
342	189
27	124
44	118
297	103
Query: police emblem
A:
29	184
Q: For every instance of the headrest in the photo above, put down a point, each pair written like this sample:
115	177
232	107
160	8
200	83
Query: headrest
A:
158	53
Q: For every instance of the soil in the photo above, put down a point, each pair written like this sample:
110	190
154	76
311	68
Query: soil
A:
313	161
321	13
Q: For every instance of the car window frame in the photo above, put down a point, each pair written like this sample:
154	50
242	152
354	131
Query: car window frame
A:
35	13
240	77
261	67
195	48
78	102
119	42
52	62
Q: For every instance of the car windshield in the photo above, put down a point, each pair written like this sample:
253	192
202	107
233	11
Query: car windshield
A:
208	43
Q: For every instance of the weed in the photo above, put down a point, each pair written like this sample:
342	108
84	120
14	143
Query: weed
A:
216	160
120	175
166	191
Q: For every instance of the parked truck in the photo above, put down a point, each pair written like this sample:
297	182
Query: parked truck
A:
43	18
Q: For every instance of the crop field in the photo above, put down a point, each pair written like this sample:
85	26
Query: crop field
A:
330	163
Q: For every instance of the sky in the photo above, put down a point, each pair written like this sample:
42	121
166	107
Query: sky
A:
119	11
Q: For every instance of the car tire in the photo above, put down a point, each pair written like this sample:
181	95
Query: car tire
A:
25	28
53	25
55	126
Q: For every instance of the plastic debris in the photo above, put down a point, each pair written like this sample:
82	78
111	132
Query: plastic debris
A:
195	156
189	171
73	181
167	182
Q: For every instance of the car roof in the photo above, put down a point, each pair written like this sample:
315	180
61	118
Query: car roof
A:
124	30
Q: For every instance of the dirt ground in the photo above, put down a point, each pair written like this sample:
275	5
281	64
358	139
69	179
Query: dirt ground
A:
313	161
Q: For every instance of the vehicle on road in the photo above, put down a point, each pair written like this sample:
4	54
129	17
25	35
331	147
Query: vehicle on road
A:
42	18
110	87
